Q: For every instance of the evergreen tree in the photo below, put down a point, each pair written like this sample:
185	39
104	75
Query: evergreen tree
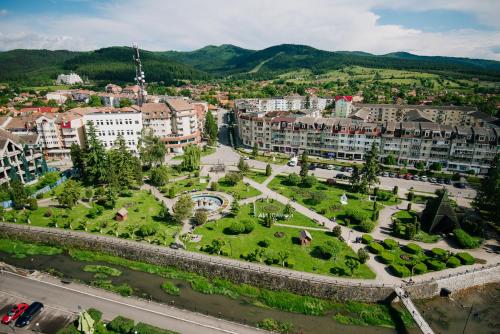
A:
183	208
269	170
371	167
95	159
18	194
70	195
77	157
151	149
488	196
235	208
255	150
304	165
211	128
191	158
355	179
243	166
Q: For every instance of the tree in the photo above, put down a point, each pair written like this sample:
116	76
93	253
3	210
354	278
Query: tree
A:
410	231
151	149
288	209
95	158
488	196
183	209
420	165
191	158
232	178
436	166
125	103
211	128
293	179
18	194
94	101
269	170
355	180
308	181
337	231
352	264
268	220
304	165
164	214
159	176
283	256
77	157
390	160
124	169
70	195
235	208
200	217
363	256
243	166
217	246
395	190
255	150
371	167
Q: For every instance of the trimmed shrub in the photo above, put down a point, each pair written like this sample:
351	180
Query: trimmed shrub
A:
366	239
420	268
363	255
249	225
95	314
121	325
385	257
399	271
465	240
465	258
375	247
390	244
453	262
356	216
440	253
236	227
366	226
264	243
290	263
435	265
413	248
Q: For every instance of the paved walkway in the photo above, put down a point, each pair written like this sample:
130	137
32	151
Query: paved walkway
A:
303	227
420	321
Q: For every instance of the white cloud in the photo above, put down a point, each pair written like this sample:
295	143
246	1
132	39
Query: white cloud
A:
190	24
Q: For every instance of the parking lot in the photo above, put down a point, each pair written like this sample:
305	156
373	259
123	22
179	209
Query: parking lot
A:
49	321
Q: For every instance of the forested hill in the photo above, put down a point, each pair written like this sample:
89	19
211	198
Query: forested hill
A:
116	64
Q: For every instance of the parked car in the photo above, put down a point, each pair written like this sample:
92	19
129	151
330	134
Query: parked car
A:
246	158
14	313
432	180
349	169
31	312
392	174
343	169
330	167
312	167
423	178
408	176
385	174
447	181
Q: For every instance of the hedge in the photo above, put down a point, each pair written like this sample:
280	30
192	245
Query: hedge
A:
366	239
440	253
390	244
366	226
121	325
465	258
464	240
375	247
436	265
453	262
413	248
399	271
420	268
386	257
95	314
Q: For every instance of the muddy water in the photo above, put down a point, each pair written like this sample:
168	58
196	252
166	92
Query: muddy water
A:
445	315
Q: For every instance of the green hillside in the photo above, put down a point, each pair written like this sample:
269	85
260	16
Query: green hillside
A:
116	64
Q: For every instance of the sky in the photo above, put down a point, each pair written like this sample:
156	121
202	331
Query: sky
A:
460	28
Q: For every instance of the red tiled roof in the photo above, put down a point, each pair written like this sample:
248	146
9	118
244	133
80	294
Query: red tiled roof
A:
348	98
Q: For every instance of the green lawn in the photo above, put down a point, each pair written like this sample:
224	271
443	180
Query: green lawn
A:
329	206
406	217
206	151
239	191
256	175
265	206
274	158
142	207
302	257
188	184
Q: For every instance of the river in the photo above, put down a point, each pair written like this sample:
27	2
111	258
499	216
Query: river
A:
446	316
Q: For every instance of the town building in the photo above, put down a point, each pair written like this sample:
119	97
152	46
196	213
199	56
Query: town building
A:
283	103
69	79
111	123
343	105
457	148
19	160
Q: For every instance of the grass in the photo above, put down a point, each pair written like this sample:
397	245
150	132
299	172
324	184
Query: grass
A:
363	314
238	246
123	289
407	217
186	185
274	158
206	151
256	175
330	205
21	249
143	208
238	191
102	270
170	288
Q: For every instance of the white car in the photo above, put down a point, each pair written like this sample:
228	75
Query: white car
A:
330	167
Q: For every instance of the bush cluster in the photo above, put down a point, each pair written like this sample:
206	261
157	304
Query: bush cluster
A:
399	271
390	244
465	258
413	248
453	262
465	240
386	257
366	226
420	268
375	247
366	239
435	264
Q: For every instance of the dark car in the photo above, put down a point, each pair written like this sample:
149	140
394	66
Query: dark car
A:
14	313
312	167
32	311
447	181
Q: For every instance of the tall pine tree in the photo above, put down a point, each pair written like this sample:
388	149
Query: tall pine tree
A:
95	160
371	167
488	196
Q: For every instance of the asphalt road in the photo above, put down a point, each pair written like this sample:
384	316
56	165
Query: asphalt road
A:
67	298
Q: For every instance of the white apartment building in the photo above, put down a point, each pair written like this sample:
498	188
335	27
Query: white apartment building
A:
110	123
69	79
283	103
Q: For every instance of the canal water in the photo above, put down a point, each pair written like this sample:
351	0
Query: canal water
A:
446	316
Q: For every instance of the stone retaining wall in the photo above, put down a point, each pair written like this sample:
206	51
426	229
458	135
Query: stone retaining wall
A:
238	271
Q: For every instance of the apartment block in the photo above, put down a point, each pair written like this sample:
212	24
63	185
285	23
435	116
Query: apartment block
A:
458	148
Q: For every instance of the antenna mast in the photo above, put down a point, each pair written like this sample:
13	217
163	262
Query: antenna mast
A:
139	76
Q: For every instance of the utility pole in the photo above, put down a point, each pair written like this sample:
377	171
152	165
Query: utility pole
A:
139	76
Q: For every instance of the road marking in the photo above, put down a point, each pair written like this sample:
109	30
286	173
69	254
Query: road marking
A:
137	307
